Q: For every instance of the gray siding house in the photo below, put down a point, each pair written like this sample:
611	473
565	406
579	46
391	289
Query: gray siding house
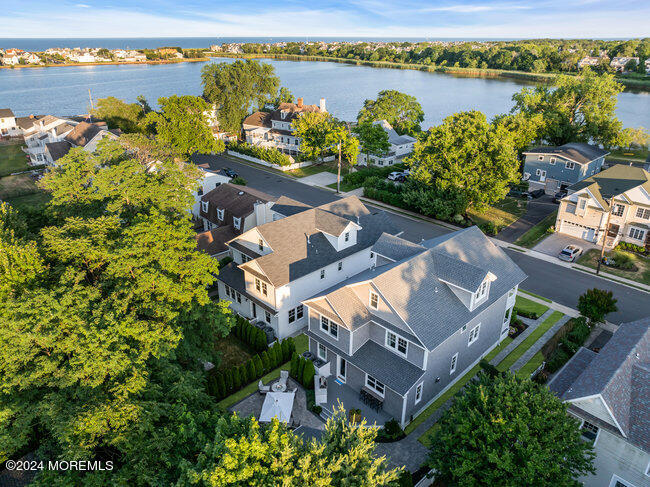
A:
552	168
406	329
609	393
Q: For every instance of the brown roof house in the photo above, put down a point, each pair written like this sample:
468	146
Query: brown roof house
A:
84	134
275	129
229	210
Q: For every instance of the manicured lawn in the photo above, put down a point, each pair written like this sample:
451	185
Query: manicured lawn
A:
20	185
331	166
12	159
535	234
536	295
232	352
344	187
513	356
525	304
29	201
302	343
501	214
452	390
642	275
530	366
638	154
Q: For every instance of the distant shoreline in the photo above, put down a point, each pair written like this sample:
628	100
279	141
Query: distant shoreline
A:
635	84
108	63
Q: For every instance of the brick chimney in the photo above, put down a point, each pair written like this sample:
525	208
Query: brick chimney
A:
299	103
322	105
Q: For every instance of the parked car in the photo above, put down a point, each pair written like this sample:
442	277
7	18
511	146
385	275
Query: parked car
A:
559	195
229	172
517	193
394	175
570	253
536	193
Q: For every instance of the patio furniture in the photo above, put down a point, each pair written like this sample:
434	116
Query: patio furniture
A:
277	405
371	399
284	376
262	388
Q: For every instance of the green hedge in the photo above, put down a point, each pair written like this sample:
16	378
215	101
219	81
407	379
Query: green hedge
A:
302	370
267	154
221	384
250	334
639	249
567	345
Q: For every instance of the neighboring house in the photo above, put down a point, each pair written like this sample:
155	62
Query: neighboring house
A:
213	123
83	57
589	61
32	58
11	60
84	134
552	168
299	252
400	147
406	329
8	126
620	63
38	131
609	393
207	182
647	66
227	211
617	199
275	129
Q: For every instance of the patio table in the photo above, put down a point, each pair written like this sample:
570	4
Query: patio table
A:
278	386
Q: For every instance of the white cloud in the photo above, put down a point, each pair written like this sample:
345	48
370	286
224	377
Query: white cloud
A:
475	8
82	5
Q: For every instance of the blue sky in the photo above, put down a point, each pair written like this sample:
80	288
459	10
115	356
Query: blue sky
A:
372	18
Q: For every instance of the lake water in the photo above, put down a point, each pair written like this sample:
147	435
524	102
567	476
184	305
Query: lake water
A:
64	90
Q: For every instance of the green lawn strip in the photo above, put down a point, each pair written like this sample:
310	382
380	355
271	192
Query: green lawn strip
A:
642	275
502	214
513	356
344	187
34	200
530	366
535	234
536	295
525	304
12	159
302	343
19	185
453	389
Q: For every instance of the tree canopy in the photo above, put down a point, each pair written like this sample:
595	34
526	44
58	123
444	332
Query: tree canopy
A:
509	432
104	319
238	87
127	117
315	132
373	138
182	124
574	108
595	304
468	155
400	110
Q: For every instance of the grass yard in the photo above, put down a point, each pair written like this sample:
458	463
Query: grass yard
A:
539	231
635	154
530	366
20	185
501	214
29	201
232	352
331	166
451	392
302	344
513	356
12	159
642	275
344	187
525	304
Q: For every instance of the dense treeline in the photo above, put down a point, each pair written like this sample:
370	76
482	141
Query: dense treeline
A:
539	56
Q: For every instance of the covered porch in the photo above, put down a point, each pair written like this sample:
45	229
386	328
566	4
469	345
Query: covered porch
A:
351	399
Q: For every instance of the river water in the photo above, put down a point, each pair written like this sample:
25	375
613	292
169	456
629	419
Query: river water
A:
64	90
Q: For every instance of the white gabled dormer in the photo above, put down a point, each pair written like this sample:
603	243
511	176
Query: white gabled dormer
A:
347	238
254	240
483	292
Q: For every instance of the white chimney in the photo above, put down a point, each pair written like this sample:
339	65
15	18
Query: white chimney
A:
322	105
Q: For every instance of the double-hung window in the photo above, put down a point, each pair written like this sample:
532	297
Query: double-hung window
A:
482	291
296	313
454	362
322	273
418	392
473	334
340	266
618	210
300	311
552	161
267	316
236	222
375	385
570	165
322	352
292	315
643	213
396	342
204	206
220	213
329	327
260	286
374	300
347	236
636	233
589	430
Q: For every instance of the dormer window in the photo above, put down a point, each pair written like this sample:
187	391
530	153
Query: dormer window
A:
374	300
260	244
397	343
236	222
204	206
347	236
260	286
220	213
552	161
482	291
570	165
540	158
322	273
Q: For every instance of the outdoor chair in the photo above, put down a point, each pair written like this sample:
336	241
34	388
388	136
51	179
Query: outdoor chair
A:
262	388
284	375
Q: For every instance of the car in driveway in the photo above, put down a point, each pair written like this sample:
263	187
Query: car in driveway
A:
537	193
559	195
395	175
229	172
570	253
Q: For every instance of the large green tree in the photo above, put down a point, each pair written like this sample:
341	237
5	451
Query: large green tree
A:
467	154
595	304
127	117
238	87
400	110
245	453
373	139
315	132
574	108
104	320
509	432
182	124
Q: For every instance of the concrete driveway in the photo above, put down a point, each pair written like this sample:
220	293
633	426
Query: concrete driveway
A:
554	243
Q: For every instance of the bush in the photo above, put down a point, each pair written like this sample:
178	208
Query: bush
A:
630	247
259	367
267	154
277	354
526	314
489	228
317	409
558	358
308	375
238	180
489	369
266	362
227	376
391	431
623	260
405	479
225	261
301	368
293	369
236	379
579	333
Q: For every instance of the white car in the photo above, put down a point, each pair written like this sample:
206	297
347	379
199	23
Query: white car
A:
395	175
570	253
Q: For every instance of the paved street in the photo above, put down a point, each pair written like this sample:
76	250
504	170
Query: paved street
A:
555	282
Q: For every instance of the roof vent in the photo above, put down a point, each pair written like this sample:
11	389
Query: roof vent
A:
240	193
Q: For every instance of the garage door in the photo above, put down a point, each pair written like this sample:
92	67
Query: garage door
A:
578	231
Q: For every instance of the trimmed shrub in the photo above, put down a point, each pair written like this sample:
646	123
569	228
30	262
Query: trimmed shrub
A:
308	375
489	369
260	340
391	431
277	352
267	154
286	350
526	314
250	371
238	180
301	368
236	379
243	373
221	386
227	377
259	367
558	358
266	362
293	369
405	479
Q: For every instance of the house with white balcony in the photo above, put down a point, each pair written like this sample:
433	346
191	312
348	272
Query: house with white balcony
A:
394	337
8	125
401	146
38	131
275	129
298	252
83	134
609	394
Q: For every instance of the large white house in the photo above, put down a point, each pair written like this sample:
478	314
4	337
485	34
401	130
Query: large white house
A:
83	134
609	393
39	131
275	129
400	147
8	126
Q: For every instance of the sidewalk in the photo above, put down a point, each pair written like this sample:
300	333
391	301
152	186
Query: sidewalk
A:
532	325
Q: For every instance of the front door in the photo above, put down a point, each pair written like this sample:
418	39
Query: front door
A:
542	176
342	369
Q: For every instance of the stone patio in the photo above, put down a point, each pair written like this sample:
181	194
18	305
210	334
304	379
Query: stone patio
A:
350	399
252	406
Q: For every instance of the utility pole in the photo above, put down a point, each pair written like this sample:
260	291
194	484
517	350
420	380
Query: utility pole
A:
90	113
602	249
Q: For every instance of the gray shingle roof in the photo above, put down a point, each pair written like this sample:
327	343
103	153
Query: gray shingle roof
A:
232	276
58	149
575	151
287	206
83	133
620	373
571	371
395	248
459	273
235	200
